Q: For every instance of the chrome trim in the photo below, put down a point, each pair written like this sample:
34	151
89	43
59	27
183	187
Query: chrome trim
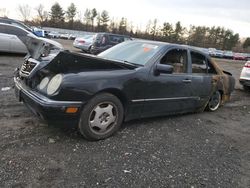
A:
165	99
25	73
40	98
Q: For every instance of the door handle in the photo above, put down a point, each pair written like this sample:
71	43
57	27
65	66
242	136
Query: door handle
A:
187	81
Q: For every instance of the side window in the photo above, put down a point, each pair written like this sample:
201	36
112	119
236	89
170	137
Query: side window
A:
98	38
211	69
177	58
15	31
115	39
126	39
199	64
104	40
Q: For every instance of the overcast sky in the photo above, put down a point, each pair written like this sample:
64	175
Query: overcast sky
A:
230	14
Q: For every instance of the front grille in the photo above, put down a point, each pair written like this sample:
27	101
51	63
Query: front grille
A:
27	67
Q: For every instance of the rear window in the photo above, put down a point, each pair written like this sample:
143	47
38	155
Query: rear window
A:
116	39
132	52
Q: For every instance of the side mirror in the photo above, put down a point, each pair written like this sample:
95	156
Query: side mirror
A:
162	68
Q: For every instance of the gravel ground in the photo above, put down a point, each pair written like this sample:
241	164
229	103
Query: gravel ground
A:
193	150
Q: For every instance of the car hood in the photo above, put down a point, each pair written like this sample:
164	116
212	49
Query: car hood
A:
41	47
67	61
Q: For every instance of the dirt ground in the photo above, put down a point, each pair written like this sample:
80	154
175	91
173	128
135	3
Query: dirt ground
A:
194	150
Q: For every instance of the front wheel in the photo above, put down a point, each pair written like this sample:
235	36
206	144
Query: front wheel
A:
214	102
101	117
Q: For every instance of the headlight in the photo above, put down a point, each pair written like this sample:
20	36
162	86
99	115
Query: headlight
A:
54	84
43	83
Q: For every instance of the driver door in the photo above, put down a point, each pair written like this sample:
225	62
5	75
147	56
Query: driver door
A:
170	93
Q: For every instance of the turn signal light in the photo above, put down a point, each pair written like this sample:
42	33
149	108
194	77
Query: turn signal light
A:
71	110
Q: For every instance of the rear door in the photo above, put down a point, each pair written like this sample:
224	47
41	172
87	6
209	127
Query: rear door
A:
201	78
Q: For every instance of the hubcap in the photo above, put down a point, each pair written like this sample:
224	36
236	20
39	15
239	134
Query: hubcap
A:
103	118
214	101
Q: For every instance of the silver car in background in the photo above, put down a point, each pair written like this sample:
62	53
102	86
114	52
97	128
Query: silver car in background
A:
245	76
9	41
14	39
84	42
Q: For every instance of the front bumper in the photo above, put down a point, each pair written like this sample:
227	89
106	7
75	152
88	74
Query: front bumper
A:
44	107
245	82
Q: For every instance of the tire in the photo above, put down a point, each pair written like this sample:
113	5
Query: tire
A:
214	102
89	50
101	117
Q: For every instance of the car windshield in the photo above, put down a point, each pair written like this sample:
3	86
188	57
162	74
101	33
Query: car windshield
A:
132	52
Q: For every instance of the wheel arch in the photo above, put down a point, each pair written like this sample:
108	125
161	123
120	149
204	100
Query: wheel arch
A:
119	94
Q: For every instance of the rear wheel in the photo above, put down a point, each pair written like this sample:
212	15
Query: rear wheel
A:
101	117
214	102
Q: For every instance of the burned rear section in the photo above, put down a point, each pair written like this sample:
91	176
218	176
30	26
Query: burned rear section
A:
224	82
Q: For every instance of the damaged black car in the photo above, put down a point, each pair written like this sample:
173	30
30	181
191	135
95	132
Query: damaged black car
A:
134	79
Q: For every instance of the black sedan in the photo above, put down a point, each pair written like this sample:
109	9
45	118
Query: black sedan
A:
135	79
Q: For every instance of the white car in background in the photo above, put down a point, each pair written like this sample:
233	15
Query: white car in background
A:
84	42
14	39
245	76
53	34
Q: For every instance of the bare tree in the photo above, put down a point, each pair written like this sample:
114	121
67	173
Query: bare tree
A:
4	12
42	14
24	11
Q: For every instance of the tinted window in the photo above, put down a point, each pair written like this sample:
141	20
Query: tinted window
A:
199	64
15	31
98	37
127	38
116	39
176	58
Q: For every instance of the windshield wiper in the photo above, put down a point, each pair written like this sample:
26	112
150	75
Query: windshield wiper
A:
136	64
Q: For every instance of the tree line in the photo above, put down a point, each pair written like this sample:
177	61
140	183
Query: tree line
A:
95	21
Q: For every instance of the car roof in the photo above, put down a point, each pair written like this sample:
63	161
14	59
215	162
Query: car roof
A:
105	33
14	21
166	44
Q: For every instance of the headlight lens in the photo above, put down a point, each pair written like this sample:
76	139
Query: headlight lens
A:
54	84
43	83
